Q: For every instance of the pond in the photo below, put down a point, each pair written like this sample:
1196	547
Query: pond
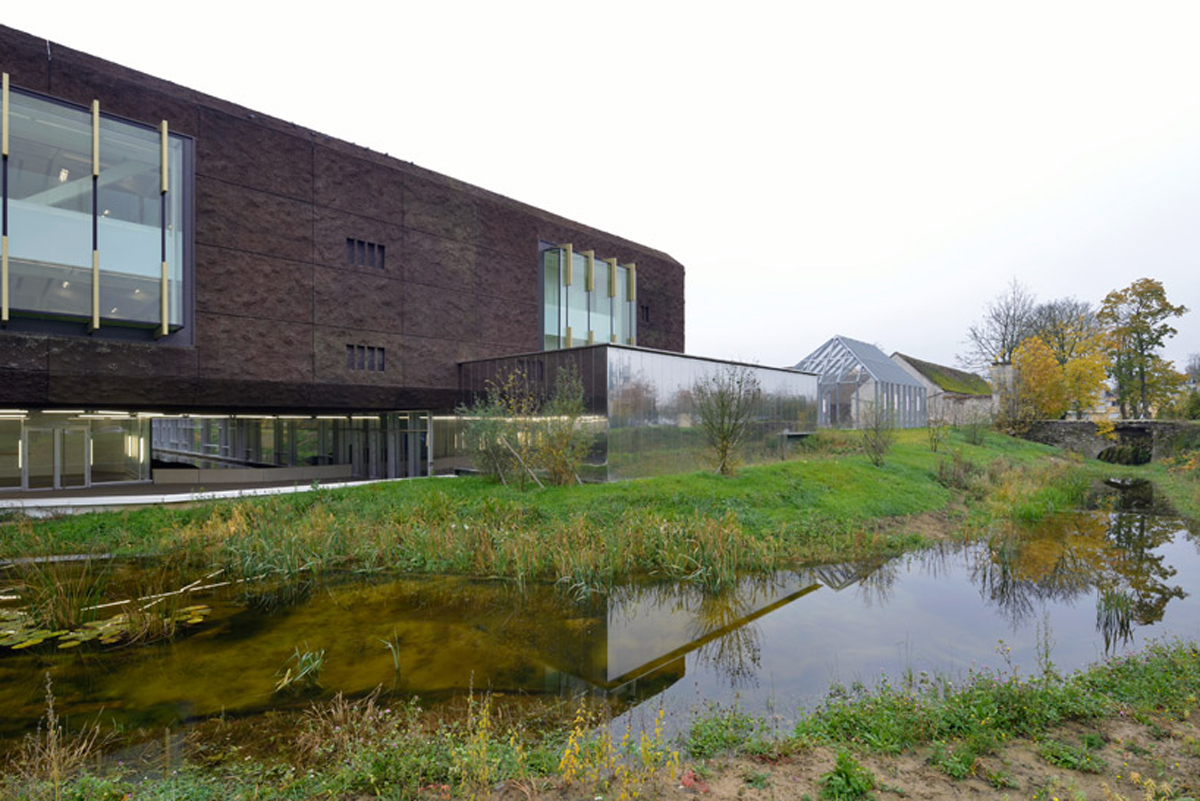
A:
1084	585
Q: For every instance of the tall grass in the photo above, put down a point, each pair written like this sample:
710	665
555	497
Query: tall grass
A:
61	594
830	503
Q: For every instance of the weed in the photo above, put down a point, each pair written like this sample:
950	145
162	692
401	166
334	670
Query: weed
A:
961	473
719	731
957	763
1053	789
1066	756
759	780
848	780
1000	779
48	759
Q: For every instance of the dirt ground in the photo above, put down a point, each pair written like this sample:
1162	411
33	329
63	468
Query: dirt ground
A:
1151	762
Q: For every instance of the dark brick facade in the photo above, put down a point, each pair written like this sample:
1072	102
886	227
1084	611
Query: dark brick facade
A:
275	298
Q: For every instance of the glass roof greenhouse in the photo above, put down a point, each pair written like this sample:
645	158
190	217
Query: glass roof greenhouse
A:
858	381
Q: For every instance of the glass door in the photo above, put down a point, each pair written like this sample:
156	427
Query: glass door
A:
41	462
73	461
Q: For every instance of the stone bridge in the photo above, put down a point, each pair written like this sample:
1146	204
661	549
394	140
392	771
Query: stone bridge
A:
1158	436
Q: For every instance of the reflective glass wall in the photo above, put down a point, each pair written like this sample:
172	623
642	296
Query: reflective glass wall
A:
93	216
654	424
390	445
641	408
71	448
587	299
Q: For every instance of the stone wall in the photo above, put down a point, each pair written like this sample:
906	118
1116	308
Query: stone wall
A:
1080	435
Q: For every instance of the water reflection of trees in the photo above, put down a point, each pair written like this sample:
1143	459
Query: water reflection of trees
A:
1111	554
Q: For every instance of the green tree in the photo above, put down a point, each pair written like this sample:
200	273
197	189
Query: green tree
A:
1136	320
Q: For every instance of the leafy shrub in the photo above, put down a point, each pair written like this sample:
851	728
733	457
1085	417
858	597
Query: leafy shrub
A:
848	780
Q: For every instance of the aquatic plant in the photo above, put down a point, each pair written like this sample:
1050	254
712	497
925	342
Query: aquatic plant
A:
301	672
61	593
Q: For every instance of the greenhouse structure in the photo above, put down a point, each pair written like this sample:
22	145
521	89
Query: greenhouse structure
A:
858	382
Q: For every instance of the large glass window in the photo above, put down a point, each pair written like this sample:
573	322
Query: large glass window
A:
592	299
551	282
61	205
49	208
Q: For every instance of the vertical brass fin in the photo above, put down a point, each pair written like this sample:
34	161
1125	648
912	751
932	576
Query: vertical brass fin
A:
591	337
612	277
4	114
3	280
567	269
612	338
164	161
632	290
164	303
589	276
95	290
570	343
95	138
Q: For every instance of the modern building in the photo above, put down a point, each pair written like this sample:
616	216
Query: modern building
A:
188	283
858	382
955	396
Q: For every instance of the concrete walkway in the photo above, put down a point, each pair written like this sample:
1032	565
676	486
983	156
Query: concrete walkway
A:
49	503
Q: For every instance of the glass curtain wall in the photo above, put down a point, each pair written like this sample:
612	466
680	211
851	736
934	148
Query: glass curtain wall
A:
72	449
390	445
83	186
587	298
640	406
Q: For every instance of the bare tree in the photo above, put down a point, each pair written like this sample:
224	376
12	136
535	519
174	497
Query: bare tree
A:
878	429
1006	322
725	402
1193	366
1068	326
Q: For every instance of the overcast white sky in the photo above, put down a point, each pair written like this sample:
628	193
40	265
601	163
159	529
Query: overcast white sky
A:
879	170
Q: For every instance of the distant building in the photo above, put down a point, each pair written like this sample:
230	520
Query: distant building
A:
953	395
858	379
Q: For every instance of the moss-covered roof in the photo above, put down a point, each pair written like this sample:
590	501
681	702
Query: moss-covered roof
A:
949	379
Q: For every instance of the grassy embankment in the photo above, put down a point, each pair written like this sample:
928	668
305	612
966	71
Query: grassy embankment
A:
1117	730
826	503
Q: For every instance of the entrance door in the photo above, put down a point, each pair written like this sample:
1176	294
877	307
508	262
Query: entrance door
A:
73	463
39	466
58	458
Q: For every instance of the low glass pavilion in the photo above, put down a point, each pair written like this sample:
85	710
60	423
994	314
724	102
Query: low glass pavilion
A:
640	406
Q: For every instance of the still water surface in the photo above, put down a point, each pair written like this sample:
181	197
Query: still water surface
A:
1093	583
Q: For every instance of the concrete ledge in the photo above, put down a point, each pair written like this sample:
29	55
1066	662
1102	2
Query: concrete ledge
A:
209	476
95	502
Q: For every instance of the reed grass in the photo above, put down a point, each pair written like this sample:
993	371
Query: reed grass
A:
828	503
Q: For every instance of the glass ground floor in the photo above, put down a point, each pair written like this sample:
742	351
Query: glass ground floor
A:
75	448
